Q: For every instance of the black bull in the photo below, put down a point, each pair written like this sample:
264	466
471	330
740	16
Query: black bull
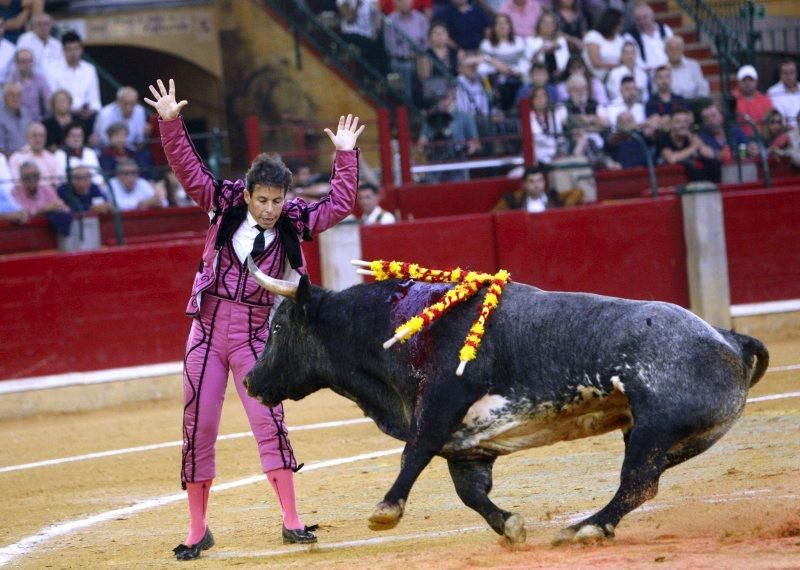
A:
551	367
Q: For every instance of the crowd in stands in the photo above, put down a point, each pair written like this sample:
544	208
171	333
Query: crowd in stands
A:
61	151
606	83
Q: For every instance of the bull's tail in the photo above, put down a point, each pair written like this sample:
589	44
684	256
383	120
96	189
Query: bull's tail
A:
750	348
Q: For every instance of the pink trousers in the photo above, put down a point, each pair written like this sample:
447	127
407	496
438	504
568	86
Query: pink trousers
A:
226	336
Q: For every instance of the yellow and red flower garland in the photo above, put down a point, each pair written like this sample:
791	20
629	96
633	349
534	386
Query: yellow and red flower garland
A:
467	284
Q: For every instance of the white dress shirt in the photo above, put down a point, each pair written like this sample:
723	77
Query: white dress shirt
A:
129	200
785	101
378	216
46	56
618	106
111	113
80	81
245	235
88	158
7	51
536	205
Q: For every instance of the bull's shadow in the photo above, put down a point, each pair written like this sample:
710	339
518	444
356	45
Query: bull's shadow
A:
552	367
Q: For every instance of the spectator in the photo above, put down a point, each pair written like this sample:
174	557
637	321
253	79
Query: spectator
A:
74	154
81	194
624	144
10	210
602	46
6	181
369	202
628	68
16	14
774	134
33	196
549	45
727	142
664	101
449	134
35	88
571	22
538	78
405	33
132	192
48	53
680	145
118	149
577	66
465	23
524	15
471	95
785	93
14	119
751	104
627	101
533	197
79	78
546	129
7	50
649	36
61	116
687	76
583	119
125	109
438	65
504	61
360	26
35	152
309	185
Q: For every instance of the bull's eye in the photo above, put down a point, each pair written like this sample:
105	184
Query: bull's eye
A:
276	329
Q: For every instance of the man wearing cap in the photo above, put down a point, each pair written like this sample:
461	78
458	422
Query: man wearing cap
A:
751	104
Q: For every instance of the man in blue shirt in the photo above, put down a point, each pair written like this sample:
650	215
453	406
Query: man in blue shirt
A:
81	195
726	141
465	22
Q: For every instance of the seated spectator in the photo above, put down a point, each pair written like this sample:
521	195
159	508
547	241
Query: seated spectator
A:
538	78
449	134
663	100
125	109
74	153
649	37
35	152
546	129
726	141
583	119
628	68
571	22
602	46
504	61
35	197
118	149
628	101
81	194
361	25
687	76
548	46
48	53
465	22
404	34
79	78
471	96
751	104
14	119
785	93
523	14
307	184
16	16
10	210
369	202
680	145
35	89
533	197
625	144
775	134
576	65
437	66
132	192
61	116
7	51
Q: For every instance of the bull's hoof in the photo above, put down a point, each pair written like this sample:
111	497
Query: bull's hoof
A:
386	515
514	529
564	535
586	534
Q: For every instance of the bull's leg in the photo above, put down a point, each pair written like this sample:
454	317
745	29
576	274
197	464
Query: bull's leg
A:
645	461
473	481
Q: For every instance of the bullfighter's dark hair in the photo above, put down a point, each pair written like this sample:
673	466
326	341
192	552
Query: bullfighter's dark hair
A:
71	37
268	170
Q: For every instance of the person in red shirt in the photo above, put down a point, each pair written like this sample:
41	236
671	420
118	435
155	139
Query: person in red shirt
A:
751	104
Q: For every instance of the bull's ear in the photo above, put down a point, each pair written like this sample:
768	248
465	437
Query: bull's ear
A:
304	292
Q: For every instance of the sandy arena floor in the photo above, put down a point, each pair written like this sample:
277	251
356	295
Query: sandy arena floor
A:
735	506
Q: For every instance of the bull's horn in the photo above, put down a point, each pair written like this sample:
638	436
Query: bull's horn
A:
360	263
366	272
277	286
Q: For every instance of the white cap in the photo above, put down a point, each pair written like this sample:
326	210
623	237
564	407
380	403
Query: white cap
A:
746	71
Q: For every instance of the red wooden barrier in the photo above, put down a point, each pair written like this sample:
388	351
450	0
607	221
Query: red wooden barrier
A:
453	198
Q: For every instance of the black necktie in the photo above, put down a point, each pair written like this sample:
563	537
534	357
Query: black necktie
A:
260	243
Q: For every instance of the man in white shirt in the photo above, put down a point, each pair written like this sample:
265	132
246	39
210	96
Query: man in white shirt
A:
7	50
785	93
628	101
132	192
369	202
78	77
126	109
47	51
649	36
687	76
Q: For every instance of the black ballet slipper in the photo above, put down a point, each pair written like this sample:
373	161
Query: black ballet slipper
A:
184	552
303	535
